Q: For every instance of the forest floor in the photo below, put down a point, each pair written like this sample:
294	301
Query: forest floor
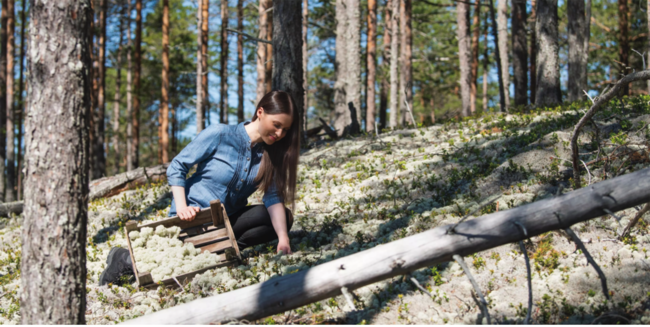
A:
357	193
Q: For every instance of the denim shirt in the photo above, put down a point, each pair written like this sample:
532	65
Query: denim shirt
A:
227	167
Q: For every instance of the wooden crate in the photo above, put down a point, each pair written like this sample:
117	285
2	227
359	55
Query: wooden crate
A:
210	231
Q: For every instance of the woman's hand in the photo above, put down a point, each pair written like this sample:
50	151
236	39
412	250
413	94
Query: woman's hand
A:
188	213
284	246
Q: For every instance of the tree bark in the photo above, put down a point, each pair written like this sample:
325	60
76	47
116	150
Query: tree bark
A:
129	89
519	52
305	68
372	65
137	63
287	52
548	70
53	266
117	98
3	96
400	257
205	98
268	76
21	106
347	88
200	118
401	111
476	31
164	101
11	170
261	50
407	60
648	18
502	22
533	51
240	62
99	158
577	34
394	55
464	58
384	85
623	42
223	118
486	60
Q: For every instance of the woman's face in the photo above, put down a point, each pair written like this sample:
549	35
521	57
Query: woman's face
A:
273	128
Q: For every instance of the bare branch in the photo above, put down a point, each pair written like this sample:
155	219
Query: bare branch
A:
484	308
348	298
635	220
249	36
577	241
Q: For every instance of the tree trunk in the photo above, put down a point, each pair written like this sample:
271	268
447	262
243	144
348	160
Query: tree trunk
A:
117	98
137	63
384	85
21	106
394	56
548	70
164	101
623	42
261	50
577	72
486	60
11	175
347	88
205	33
3	96
200	118
99	158
407	61
476	31
533	51
268	82
223	118
287	39
400	257
519	52
129	89
240	62
305	68
497	55
464	60
401	112
372	65
53	266
648	18
502	23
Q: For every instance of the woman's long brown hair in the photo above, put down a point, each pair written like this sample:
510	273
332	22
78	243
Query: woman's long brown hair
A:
280	160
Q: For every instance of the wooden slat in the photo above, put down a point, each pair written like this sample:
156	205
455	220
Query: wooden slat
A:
198	230
184	278
201	218
231	234
209	237
129	227
215	209
145	279
215	247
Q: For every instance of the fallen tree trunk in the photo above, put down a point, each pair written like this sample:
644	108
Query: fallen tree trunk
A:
400	257
107	186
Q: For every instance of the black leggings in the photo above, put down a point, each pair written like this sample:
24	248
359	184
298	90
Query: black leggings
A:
252	225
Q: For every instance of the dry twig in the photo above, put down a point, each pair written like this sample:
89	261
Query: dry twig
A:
348	298
635	220
484	308
603	279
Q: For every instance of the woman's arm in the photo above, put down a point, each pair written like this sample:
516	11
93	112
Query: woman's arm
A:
183	211
279	221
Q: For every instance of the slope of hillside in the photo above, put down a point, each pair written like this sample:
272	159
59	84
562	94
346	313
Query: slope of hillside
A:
357	193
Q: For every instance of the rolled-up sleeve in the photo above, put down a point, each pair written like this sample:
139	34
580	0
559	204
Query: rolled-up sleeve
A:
199	149
271	196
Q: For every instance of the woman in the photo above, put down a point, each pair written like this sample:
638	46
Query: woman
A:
233	161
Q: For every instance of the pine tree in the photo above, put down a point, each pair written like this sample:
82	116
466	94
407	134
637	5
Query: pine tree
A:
548	70
462	34
519	52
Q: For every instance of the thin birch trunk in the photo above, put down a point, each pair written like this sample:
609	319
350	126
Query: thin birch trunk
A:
223	117
11	175
548	70
502	22
372	65
462	35
476	31
53	265
394	55
240	62
519	52
200	119
129	91
261	50
164	103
